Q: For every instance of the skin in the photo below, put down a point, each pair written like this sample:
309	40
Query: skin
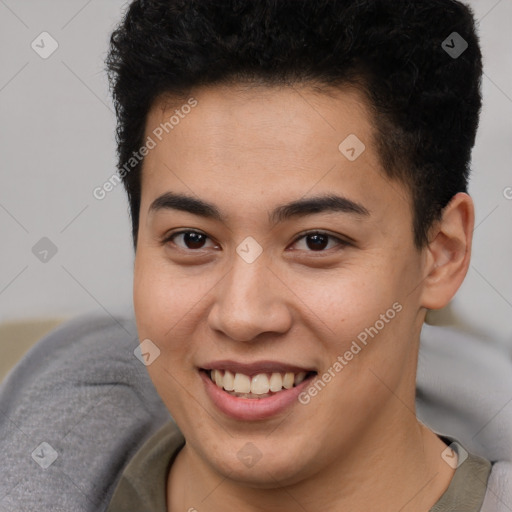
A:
357	444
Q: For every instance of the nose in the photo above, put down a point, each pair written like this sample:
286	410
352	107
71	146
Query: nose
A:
249	301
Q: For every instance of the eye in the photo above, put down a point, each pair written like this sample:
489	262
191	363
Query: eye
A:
315	241
318	241
192	240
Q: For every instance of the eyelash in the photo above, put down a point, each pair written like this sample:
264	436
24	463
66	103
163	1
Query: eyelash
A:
342	243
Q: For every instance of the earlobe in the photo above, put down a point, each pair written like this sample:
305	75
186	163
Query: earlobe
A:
448	252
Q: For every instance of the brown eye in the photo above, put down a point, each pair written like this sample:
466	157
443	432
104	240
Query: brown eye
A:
192	240
318	241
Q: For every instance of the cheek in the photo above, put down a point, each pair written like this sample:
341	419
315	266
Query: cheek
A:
162	303
366	321
149	297
354	300
170	303
161	297
159	306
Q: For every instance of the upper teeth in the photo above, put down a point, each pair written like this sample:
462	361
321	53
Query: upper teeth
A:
260	384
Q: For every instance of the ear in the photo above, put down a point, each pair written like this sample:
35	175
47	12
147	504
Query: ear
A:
448	252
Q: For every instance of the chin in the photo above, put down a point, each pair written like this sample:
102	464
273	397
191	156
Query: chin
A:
262	464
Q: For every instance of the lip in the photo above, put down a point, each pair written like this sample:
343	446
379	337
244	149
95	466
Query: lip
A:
252	369
252	409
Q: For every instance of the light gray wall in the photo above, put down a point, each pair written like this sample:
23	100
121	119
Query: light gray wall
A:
57	144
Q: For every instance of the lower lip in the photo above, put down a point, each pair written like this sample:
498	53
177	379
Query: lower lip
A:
252	409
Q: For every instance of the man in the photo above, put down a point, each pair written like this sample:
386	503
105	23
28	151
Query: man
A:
297	176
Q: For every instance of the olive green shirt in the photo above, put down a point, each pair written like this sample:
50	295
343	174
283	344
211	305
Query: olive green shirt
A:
143	484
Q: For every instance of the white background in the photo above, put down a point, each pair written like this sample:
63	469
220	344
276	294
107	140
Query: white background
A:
57	144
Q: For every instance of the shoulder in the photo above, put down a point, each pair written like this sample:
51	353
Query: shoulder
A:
143	483
82	391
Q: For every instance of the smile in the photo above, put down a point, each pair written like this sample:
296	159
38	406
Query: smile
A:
254	391
259	386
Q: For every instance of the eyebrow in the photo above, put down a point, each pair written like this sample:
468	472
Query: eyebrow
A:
294	209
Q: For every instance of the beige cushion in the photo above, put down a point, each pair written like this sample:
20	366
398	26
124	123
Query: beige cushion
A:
16	338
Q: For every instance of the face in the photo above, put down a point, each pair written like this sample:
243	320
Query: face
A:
273	249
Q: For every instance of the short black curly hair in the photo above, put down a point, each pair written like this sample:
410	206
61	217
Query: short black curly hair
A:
425	99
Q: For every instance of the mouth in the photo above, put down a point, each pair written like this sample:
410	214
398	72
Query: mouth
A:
258	386
256	391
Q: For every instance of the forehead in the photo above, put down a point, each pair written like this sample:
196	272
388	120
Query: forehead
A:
245	117
265	144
